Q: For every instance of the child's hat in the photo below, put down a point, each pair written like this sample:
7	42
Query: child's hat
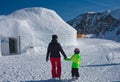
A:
77	50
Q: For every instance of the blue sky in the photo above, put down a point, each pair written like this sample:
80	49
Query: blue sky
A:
67	9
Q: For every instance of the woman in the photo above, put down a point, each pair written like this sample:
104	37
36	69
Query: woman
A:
53	51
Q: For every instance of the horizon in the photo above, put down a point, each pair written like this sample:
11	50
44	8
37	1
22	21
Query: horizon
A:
67	9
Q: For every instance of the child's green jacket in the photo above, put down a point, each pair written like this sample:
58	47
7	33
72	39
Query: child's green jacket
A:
76	60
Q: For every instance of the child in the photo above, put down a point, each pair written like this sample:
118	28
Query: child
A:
76	61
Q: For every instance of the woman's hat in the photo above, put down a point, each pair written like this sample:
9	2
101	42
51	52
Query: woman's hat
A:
54	37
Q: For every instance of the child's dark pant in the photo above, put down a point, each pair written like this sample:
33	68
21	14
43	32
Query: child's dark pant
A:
75	72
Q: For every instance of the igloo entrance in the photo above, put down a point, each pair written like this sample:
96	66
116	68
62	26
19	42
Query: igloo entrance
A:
10	45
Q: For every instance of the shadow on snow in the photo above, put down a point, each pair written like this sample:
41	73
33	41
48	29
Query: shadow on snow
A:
51	80
100	65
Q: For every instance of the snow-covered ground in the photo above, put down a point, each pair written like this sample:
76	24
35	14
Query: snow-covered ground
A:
100	63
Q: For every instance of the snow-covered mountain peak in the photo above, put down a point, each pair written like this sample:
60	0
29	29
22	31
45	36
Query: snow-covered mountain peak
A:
116	13
107	12
91	12
103	24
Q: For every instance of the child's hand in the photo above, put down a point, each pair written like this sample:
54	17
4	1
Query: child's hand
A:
65	59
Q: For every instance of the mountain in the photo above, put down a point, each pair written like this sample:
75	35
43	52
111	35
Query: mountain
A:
105	24
115	13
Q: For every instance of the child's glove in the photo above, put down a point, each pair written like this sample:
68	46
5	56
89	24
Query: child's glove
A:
67	59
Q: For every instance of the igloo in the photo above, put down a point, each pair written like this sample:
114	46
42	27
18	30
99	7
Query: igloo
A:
33	27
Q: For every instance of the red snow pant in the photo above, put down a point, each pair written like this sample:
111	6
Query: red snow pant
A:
56	67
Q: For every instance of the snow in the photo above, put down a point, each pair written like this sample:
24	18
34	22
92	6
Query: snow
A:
111	35
35	25
100	62
90	36
106	12
100	58
91	12
42	21
116	13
